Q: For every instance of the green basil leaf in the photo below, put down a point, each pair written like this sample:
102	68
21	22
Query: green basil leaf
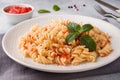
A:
56	8
85	28
43	11
88	42
71	37
73	27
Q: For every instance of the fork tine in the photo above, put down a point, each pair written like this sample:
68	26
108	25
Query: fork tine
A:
99	9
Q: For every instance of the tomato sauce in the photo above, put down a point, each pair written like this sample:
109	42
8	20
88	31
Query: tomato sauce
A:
18	9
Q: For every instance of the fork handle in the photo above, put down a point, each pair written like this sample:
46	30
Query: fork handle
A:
113	16
118	19
118	11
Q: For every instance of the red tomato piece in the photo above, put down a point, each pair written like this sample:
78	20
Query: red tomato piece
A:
54	49
19	9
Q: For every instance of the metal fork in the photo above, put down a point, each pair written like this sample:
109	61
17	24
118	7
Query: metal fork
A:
106	14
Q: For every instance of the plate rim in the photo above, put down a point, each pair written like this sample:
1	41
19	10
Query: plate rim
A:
55	71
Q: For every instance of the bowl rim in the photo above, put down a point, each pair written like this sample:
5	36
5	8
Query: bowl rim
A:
3	11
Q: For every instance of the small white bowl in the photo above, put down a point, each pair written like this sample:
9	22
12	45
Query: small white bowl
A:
16	18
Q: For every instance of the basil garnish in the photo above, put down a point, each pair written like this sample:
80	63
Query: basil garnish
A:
56	8
75	31
71	37
73	27
86	27
43	11
88	42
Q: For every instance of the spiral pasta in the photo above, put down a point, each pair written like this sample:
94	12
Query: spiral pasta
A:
46	45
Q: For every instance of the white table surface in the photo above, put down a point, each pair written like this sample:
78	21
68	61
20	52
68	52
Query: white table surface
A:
88	10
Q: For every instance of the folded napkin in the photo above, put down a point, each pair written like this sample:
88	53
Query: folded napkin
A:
10	70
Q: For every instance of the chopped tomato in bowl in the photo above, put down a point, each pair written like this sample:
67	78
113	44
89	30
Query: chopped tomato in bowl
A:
17	13
18	9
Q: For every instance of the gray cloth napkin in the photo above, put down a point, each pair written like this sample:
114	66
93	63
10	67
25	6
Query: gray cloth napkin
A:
10	70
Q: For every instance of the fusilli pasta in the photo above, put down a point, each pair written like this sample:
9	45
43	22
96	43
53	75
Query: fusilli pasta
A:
46	45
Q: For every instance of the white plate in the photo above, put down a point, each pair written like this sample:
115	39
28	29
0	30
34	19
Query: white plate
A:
10	42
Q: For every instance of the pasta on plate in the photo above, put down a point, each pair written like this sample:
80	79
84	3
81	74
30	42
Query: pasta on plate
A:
46	45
